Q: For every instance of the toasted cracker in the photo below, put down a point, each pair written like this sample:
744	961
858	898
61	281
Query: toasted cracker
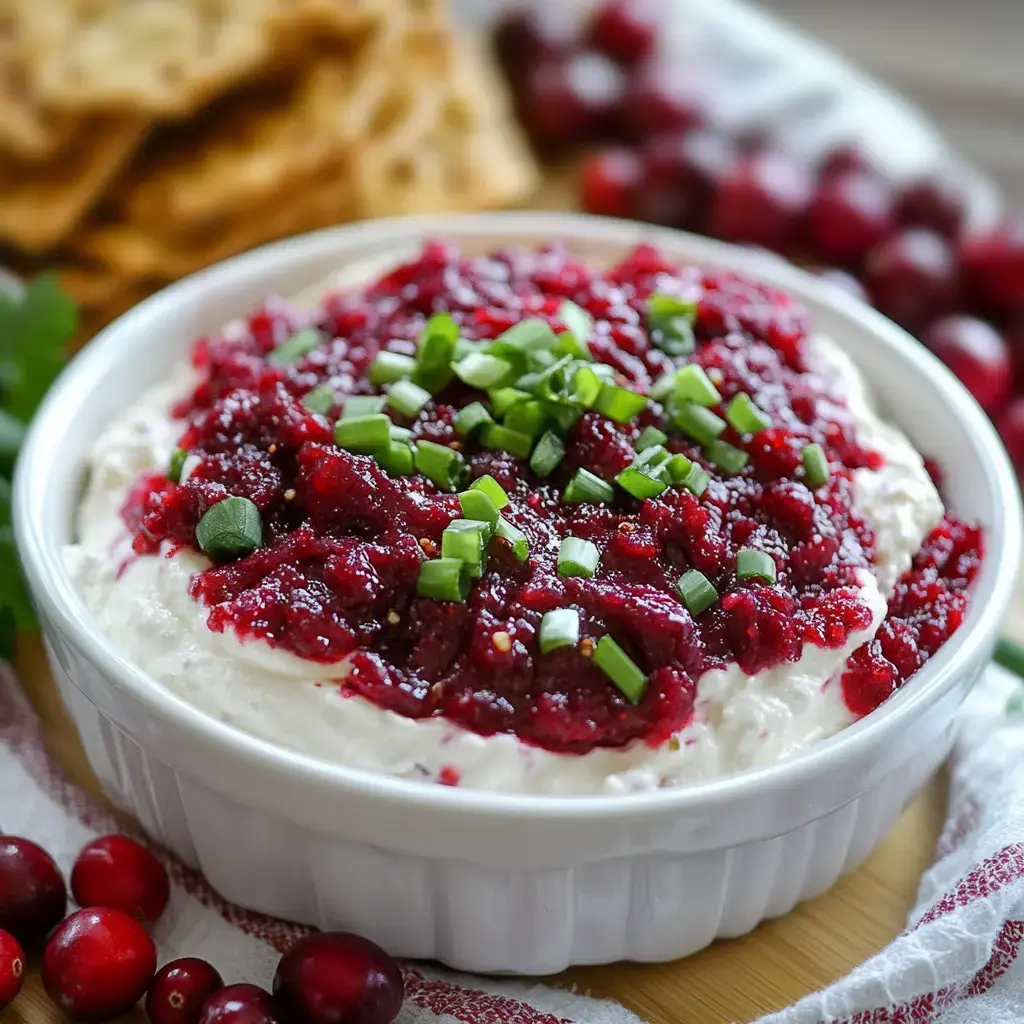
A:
167	58
43	202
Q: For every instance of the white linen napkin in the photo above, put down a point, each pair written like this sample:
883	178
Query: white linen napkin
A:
956	963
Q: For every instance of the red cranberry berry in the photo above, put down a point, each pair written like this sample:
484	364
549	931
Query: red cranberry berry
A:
976	353
338	978
935	201
763	202
912	277
98	963
12	969
663	99
177	994
566	103
609	181
681	176
850	215
33	897
239	1004
626	30
531	35
843	159
115	871
846	282
993	265
1010	425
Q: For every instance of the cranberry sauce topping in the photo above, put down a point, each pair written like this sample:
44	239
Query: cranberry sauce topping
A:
343	541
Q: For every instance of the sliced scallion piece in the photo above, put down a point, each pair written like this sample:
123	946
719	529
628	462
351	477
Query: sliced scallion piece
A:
482	370
570	345
670	322
620	668
441	464
577	557
388	367
466	540
699	423
663	387
589	488
678	466
398	459
728	458
501	439
230	529
528	334
619	404
321	399
752	564
363	435
492	489
502	399
696	480
547	455
576	319
476	504
639	484
815	466
176	465
559	628
401	434
437	347
527	418
649	437
745	416
514	537
563	416
697	592
407	398
472	417
362	405
692	384
662	304
297	346
444	579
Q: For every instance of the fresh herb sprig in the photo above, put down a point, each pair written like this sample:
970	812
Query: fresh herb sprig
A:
35	329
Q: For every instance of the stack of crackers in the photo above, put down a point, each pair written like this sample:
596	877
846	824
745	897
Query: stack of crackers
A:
141	140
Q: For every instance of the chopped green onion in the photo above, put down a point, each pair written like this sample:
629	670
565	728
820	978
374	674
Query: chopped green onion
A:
176	465
699	423
297	346
620	668
559	628
551	383
692	384
514	537
407	398
401	434
388	367
745	416
649	437
570	345
619	404
444	466
492	489
528	334
397	459
364	435
436	348
443	579
547	455
564	416
541	358
230	529
576	319
482	370
586	487
815	466
471	417
476	504
696	480
678	467
663	304
466	540
670	322
362	405
639	484
663	386
727	457
503	399
577	557
500	439
752	564
604	371
321	399
586	386
526	418
697	592
463	346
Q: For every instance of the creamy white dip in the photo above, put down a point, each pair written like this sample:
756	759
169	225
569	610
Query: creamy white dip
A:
740	721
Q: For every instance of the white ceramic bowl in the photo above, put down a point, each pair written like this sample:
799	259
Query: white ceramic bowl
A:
495	882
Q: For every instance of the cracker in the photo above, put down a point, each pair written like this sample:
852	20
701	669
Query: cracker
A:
166	58
43	202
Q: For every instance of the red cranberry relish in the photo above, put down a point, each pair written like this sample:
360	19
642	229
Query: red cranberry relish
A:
343	541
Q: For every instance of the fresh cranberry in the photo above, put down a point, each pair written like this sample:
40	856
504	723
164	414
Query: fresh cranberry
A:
993	265
627	30
98	963
912	277
568	102
663	99
12	969
681	175
850	215
977	354
116	871
338	978
239	1004
763	202
844	281
530	35
33	896
843	159
177	994
1010	425
609	180
935	201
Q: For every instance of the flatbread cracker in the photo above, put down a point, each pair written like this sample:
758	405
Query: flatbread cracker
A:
43	202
